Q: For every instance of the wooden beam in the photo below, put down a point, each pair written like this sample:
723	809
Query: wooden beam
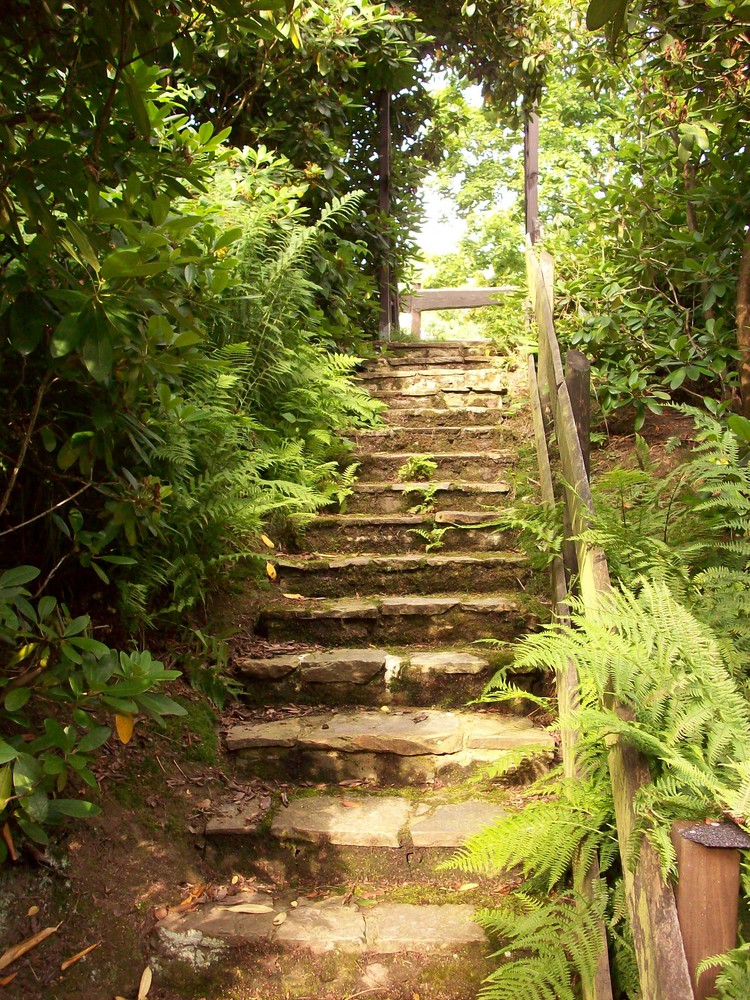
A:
578	381
428	299
660	954
531	176
707	894
384	204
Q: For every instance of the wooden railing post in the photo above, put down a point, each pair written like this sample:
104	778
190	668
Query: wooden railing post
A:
578	379
707	894
416	316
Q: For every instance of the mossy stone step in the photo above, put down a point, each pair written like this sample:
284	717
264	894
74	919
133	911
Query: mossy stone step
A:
457	380
429	440
440	359
411	745
387	533
425	417
400	498
407	573
455	398
383	821
472	466
410	618
327	925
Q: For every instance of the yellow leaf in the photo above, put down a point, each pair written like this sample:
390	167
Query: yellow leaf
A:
124	724
271	571
468	886
78	955
145	984
294	597
279	919
267	541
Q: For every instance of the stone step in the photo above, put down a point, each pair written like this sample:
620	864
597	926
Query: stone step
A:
449	677
437	359
318	575
397	532
450	438
407	619
403	498
424	417
320	926
470	466
455	379
407	345
402	746
362	820
452	398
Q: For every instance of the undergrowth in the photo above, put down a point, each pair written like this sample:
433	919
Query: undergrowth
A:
670	645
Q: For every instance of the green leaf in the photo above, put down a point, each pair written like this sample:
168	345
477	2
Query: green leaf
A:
97	349
81	241
90	645
7	752
94	739
46	606
18	576
77	625
16	699
599	12
67	336
36	805
32	831
137	105
28	316
6	786
75	807
739	426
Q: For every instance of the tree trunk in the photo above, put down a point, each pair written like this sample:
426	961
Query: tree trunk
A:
743	324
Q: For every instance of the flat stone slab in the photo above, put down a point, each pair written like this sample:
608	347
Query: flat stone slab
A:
324	926
404	927
404	732
452	824
343	666
267	669
491	732
359	822
396	732
232	818
451	661
231	923
282	733
418	605
457	485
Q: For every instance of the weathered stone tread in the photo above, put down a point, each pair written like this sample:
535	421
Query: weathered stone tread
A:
321	926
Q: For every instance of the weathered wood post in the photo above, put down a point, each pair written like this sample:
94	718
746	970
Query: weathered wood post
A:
707	893
384	205
531	175
578	379
416	316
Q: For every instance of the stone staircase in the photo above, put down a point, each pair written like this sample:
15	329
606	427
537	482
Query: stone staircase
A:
364	727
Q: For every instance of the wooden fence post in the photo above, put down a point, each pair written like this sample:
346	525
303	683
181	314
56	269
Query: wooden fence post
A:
416	316
578	379
531	175
384	204
707	893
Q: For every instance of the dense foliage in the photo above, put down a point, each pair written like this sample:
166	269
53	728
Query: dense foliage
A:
183	257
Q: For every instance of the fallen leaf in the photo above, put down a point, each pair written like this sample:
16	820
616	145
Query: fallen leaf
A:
294	903
235	879
267	541
279	919
78	955
421	717
385	709
468	886
270	571
250	908
124	724
17	950
350	804
145	983
160	912
8	979
294	597
33	910
8	838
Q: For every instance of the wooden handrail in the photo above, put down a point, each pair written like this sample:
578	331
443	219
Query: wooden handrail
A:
660	954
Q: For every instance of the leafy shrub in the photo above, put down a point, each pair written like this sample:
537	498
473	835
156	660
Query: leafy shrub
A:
58	685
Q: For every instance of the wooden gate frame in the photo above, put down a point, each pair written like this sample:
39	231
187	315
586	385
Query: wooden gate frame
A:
660	953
